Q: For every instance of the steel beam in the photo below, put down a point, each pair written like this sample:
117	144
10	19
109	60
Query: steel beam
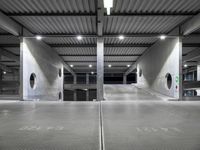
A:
123	55
9	25
191	25
92	14
94	45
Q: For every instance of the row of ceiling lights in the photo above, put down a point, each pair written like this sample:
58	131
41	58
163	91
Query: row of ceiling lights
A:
121	37
90	66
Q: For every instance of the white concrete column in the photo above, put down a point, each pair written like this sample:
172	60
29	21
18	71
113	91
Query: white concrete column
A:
100	68
180	81
193	76
87	82
198	92
75	92
124	79
198	72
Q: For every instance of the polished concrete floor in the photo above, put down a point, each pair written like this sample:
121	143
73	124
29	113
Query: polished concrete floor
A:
134	124
49	126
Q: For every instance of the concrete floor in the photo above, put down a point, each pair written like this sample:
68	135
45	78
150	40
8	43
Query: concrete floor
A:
128	125
49	126
151	125
120	92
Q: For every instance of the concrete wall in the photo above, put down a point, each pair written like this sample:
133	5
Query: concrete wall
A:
162	58
37	57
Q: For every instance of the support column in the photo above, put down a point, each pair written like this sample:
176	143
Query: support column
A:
75	92
180	81
198	72
124	79
87	82
100	68
0	80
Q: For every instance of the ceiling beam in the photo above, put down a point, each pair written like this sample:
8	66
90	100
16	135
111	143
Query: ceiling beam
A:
191	25
94	45
195	54
6	68
88	61
93	14
133	35
7	24
130	55
130	69
9	55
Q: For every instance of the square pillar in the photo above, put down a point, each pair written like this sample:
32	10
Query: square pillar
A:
87	91
180	78
75	92
100	68
198	72
124	79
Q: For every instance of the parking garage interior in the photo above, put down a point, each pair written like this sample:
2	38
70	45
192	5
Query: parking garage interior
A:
99	74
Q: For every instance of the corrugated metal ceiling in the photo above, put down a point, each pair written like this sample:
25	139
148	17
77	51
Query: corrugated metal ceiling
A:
107	51
61	24
47	6
156	6
141	24
87	25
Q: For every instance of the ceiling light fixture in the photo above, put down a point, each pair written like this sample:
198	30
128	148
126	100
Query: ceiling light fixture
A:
38	37
79	37
163	37
185	65
108	4
4	72
109	65
90	66
71	66
92	72
128	66
121	37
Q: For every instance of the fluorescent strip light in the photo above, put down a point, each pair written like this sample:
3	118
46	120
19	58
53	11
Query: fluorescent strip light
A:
108	4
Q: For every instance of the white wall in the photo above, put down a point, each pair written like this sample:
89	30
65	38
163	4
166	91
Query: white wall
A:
37	57
162	58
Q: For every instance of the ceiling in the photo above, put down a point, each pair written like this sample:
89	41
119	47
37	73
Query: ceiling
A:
61	20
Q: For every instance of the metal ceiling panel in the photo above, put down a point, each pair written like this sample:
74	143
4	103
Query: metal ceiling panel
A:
141	24
129	6
93	58
124	50
69	40
186	50
129	40
9	39
2	31
79	58
47	6
14	50
76	51
61	24
107	51
120	58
